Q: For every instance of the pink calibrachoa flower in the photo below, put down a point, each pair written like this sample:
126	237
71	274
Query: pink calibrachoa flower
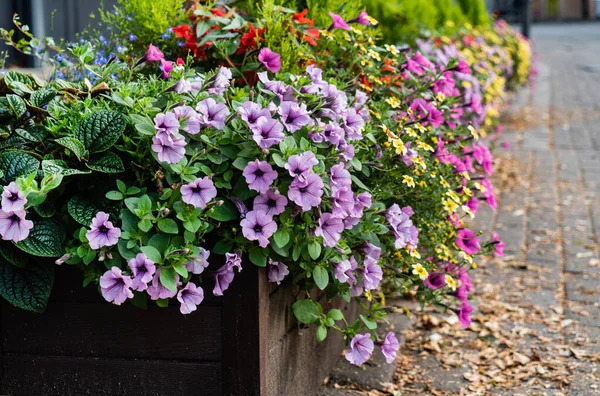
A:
142	269
12	198
390	347
338	22
224	275
270	59
190	297
115	286
435	280
199	192
499	249
13	225
256	226
306	193
102	232
330	228
169	147
270	204
363	18
464	315
153	54
467	241
166	67
157	291
361	348
259	176
277	271
198	264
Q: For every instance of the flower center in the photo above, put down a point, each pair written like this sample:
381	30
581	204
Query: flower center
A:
271	203
15	218
14	197
196	189
258	173
257	228
103	229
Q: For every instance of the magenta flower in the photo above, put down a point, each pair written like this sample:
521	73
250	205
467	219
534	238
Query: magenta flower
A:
306	193
338	22
390	347
13	225
267	132
259	175
294	116
363	18
153	54
499	250
270	59
372	274
435	280
166	122
198	264
464	315
157	291
212	113
166	67
142	269
427	111
463	67
169	147
199	192
467	241
13	199
277	271
115	286
330	228
224	275
361	348
188	116
190	297
270	204
473	204
250	112
258	227
301	165
102	232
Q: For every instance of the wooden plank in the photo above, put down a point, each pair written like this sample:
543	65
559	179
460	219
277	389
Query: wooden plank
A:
26	375
105	330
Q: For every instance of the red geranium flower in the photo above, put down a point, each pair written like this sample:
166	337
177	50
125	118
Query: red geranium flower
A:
250	40
311	36
299	17
183	31
218	12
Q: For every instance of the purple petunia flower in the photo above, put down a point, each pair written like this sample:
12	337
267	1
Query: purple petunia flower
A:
435	280
13	225
153	54
217	84
102	232
283	92
190	297
169	147
499	249
270	204
189	117
301	165
224	275
372	274
340	177
270	59
115	286
199	192
342	202
338	22
464	315
330	228
157	291
363	18
259	175
12	198
294	116
198	264
212	113
306	193
361	348
410	154
277	271
333	133
352	124
142	269
404	230
371	250
390	347
258	227
166	122
467	241
267	132
250	112
344	271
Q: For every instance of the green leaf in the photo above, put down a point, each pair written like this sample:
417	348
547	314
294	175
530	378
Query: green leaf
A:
168	278
168	226
139	300
371	324
99	131
181	270
225	212
281	238
83	210
152	253
258	256
222	247
114	195
74	145
28	287
240	163
11	254
107	162
160	242
143	125
41	97
306	311
321	277
17	105
314	249
45	209
335	314
26	135
46	239
14	164
15	76
321	333
59	167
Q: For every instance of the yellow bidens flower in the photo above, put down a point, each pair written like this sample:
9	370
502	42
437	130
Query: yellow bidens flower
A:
399	145
392	48
421	128
374	55
425	146
394	102
409	181
418	269
449	205
413	252
444	183
372	20
473	132
440	97
480	187
450	282
468	211
410	132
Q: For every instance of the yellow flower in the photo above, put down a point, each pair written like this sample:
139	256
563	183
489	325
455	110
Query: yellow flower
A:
397	254
425	146
419	161
413	252
408	181
453	195
473	132
418	269
394	102
399	145
327	33
444	183
374	55
392	48
449	205
387	144
410	132
480	187
467	191
347	37
372	20
422	183
450	282
369	295
440	97
421	128
474	266
468	211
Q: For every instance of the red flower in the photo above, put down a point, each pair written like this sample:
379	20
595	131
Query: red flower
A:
299	17
180	62
183	31
218	12
311	36
388	66
250	40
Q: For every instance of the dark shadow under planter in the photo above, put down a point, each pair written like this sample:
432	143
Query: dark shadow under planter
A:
246	343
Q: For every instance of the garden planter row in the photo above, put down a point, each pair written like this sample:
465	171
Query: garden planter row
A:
246	343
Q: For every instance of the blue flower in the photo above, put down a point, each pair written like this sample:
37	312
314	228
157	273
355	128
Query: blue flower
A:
132	37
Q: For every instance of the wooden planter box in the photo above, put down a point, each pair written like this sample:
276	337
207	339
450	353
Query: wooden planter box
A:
245	343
